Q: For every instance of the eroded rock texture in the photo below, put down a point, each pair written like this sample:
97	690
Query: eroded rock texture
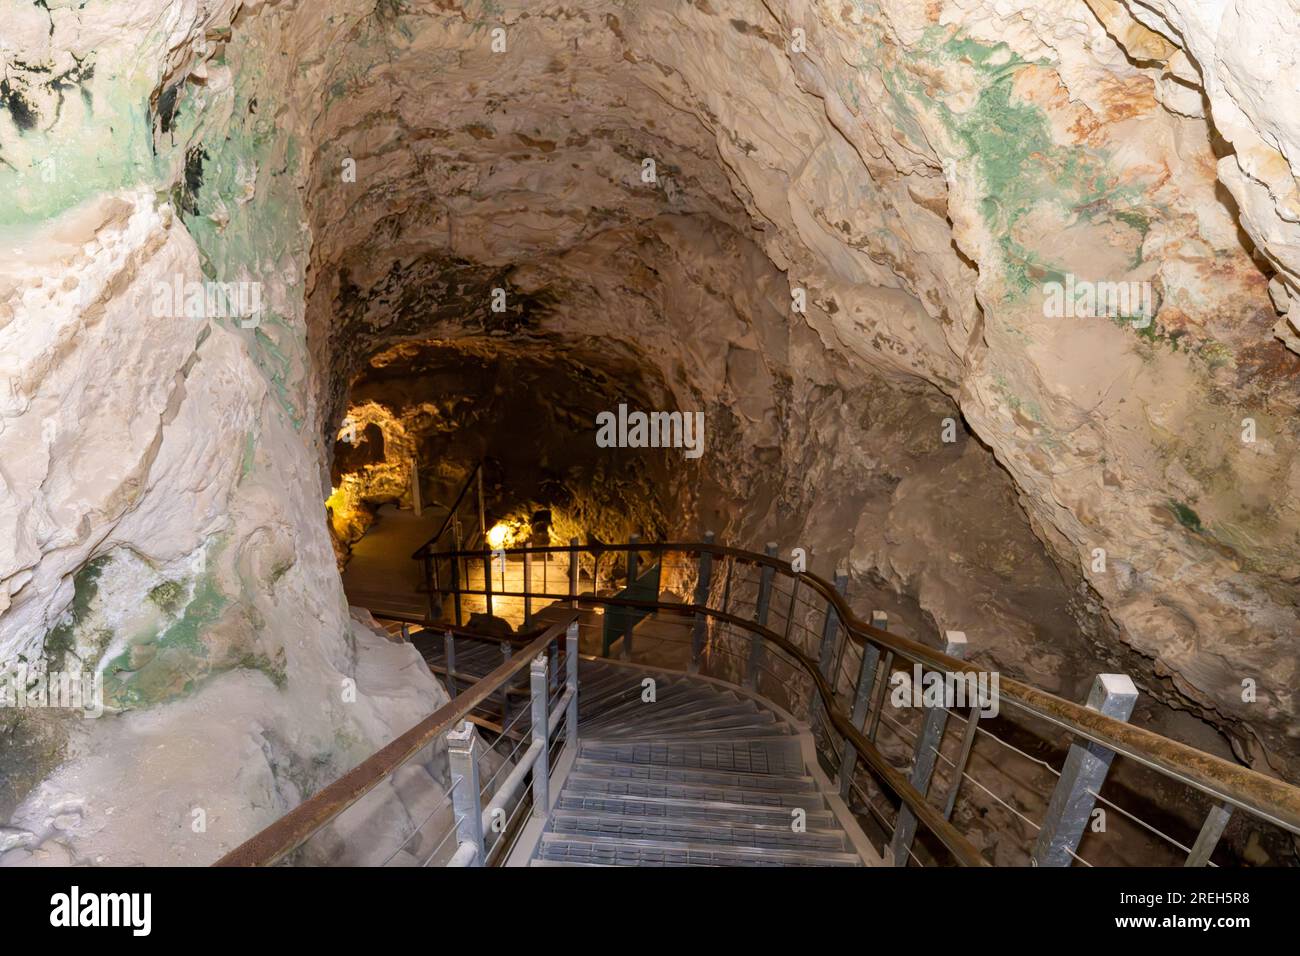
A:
917	173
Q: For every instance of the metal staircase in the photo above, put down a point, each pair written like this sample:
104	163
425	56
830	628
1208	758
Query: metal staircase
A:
671	770
682	772
748	722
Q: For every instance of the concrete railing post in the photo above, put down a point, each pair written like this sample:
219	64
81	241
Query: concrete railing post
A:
1082	776
462	755
701	628
861	701
541	768
927	751
760	616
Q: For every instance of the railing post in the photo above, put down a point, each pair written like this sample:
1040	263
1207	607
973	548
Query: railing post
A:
571	665
632	540
1208	838
507	652
554	652
927	750
541	768
794	604
826	653
431	587
455	590
861	701
487	581
417	503
959	768
573	572
449	654
760	616
879	707
726	586
482	520
700	630
462	747
528	587
1082	776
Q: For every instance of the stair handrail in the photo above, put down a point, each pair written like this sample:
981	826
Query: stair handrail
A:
1269	798
302	822
424	549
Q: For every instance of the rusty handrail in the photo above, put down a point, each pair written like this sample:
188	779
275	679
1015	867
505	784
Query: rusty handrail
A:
1268	798
298	825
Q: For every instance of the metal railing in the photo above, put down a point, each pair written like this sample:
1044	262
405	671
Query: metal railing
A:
456	522
481	835
791	637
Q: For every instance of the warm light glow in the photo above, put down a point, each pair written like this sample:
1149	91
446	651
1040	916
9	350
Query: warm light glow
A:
498	535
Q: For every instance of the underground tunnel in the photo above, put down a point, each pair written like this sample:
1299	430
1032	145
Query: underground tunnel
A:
770	348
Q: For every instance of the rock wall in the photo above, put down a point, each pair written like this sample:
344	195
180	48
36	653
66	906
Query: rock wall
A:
850	236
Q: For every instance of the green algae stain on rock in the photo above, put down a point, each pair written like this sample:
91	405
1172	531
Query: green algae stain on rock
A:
63	638
32	744
62	150
149	672
249	457
244	210
201	629
168	596
1021	166
1188	518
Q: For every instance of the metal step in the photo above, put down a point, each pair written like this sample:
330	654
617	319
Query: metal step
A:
704	776
688	727
631	705
584	783
537	861
685	728
696	830
723	735
703	705
618	852
751	781
776	756
676	808
619	698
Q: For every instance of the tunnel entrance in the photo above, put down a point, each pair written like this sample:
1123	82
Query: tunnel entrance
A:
429	423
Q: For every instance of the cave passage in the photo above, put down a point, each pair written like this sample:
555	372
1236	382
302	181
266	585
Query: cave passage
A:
435	412
981	309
